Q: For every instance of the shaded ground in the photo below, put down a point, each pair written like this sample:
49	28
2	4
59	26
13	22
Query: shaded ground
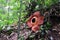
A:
53	34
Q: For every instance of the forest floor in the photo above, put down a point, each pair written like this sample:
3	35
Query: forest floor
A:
53	34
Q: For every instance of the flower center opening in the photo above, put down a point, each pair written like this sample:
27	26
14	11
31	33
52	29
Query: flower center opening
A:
33	20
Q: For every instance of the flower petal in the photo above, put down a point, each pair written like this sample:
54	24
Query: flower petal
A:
35	28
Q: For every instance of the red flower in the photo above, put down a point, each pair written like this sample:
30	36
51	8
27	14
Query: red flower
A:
35	21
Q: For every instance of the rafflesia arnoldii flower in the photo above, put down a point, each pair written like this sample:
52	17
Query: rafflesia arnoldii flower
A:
35	21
